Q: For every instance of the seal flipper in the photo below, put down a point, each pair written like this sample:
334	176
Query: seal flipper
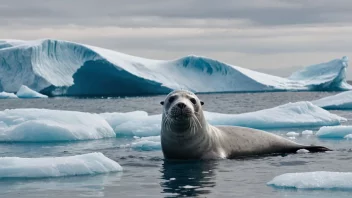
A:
315	149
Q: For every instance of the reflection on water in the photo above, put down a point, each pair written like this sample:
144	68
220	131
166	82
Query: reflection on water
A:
89	185
188	178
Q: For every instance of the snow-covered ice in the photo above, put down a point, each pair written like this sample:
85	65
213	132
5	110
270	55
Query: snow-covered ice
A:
334	132
26	92
5	95
299	114
86	164
42	125
339	101
314	180
56	67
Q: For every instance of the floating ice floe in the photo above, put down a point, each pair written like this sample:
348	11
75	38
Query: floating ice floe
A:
339	101
299	114
335	132
43	125
115	119
25	92
86	164
314	180
57	67
5	95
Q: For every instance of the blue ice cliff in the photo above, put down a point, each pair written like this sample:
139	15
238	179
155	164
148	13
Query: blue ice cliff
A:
55	67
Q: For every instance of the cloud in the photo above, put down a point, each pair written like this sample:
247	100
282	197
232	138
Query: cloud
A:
252	33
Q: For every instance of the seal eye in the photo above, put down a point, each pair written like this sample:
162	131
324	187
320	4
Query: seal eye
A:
193	100
171	99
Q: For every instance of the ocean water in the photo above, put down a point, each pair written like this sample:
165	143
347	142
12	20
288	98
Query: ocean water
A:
147	174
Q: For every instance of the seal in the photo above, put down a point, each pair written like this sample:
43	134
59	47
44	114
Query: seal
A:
185	134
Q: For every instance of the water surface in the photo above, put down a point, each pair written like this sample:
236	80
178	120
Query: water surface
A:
147	174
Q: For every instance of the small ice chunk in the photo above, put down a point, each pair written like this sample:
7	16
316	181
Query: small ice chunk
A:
314	180
349	136
334	131
189	187
302	151
5	95
292	134
86	164
26	92
307	132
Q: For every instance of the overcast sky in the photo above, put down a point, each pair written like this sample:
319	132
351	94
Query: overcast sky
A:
249	33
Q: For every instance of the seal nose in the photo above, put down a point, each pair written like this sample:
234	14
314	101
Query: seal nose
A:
181	105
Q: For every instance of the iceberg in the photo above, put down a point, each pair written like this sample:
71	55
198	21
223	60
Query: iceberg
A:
339	101
335	132
329	76
25	92
5	95
86	164
319	180
43	125
299	114
55	67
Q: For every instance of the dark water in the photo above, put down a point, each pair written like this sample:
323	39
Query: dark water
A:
147	174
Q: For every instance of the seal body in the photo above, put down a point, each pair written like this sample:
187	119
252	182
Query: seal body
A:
185	134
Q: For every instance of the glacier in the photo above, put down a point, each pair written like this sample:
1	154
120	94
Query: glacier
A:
86	164
335	132
44	125
25	92
5	95
319	180
339	101
299	114
55	67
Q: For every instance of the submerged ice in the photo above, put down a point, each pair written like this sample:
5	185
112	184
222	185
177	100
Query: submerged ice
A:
55	67
86	164
314	180
43	125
